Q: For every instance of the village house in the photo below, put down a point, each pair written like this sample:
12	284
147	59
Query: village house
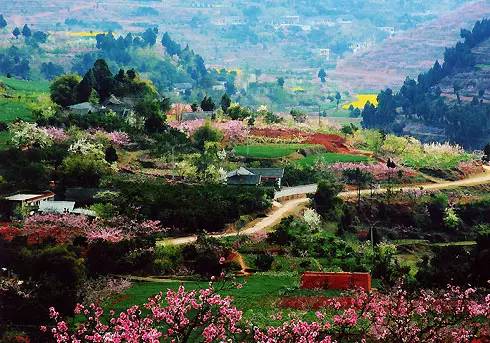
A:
256	176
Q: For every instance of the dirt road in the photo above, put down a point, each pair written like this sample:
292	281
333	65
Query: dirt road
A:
289	206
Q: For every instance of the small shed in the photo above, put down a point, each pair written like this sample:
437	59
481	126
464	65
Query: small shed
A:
256	176
24	199
242	177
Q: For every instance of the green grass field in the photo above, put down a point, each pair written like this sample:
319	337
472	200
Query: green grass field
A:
330	157
257	298
23	94
269	150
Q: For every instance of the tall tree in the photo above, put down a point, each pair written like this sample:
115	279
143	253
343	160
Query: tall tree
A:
150	36
16	32
225	102
322	75
338	97
3	22
104	81
26	31
280	82
207	104
171	47
63	89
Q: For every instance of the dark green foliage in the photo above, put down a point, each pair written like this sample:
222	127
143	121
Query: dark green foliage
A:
322	75
207	104
449	265
171	47
40	37
150	36
3	22
203	256
225	102
206	133
104	81
133	256
263	262
182	206
51	70
153	110
280	82
83	171
26	31
16	32
63	90
111	154
326	200
13	61
465	124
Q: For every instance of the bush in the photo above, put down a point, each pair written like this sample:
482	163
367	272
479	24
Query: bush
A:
206	133
204	255
192	208
84	171
263	262
326	200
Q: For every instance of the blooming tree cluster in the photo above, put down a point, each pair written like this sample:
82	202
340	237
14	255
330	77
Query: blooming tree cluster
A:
233	130
380	171
64	228
453	315
28	135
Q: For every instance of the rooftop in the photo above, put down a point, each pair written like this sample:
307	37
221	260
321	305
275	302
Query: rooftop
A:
24	197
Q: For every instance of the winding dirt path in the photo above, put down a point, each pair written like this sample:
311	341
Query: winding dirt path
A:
290	206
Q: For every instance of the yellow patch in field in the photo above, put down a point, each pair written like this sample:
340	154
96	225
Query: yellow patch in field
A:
297	89
361	101
84	33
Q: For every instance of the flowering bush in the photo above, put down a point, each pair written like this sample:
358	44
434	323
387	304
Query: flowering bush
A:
233	130
452	315
86	147
28	135
57	135
380	171
64	228
312	218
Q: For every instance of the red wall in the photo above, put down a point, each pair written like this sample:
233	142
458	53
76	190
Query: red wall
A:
317	280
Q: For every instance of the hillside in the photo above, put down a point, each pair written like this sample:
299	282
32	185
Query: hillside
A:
407	53
471	81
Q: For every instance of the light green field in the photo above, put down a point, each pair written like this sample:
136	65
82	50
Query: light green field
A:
257	298
22	94
330	157
269	150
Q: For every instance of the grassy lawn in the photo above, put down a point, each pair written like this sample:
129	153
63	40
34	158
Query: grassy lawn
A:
257	298
330	157
26	86
269	150
28	91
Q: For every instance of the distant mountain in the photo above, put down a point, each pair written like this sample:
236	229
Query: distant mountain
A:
407	53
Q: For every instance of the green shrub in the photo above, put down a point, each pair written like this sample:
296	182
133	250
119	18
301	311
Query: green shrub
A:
263	262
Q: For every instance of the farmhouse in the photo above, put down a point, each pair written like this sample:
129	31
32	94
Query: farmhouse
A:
83	108
196	115
256	176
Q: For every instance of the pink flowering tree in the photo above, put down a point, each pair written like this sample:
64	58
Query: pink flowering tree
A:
452	315
233	130
380	171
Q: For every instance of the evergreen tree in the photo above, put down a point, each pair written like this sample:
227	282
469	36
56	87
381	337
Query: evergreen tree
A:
172	48
207	104
111	154
3	22
16	32
322	75
85	87
104	81
26	31
225	102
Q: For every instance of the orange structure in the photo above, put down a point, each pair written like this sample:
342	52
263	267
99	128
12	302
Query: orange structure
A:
319	280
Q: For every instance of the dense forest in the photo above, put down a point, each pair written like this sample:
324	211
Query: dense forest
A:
464	123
